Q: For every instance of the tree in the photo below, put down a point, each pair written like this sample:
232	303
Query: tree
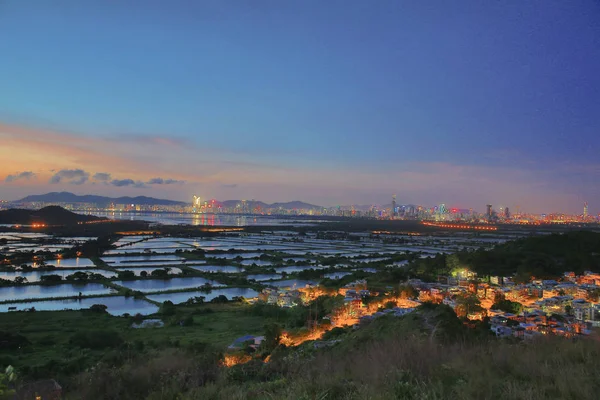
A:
98	308
160	273
220	299
196	300
508	306
407	292
167	308
127	274
467	304
272	336
78	276
19	280
5	380
50	278
453	262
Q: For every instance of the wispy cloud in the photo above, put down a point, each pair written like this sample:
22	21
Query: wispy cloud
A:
161	181
127	182
71	176
20	175
101	177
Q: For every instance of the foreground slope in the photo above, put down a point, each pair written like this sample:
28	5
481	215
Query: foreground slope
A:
426	355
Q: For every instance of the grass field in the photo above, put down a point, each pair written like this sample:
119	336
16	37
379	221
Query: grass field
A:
50	351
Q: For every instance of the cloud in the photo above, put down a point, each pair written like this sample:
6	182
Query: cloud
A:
72	176
161	181
127	182
276	178
102	176
21	175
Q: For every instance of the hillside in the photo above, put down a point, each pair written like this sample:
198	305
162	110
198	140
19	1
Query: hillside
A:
66	197
545	257
290	205
103	201
429	354
52	215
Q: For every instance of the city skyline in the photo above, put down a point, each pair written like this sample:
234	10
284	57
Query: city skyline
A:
337	103
391	209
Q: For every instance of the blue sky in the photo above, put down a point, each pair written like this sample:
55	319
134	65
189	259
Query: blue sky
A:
463	103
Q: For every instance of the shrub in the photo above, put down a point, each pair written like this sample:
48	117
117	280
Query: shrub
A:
98	308
50	278
100	339
9	340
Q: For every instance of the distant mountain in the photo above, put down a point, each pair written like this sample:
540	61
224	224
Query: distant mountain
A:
102	201
291	205
295	205
52	215
234	203
66	197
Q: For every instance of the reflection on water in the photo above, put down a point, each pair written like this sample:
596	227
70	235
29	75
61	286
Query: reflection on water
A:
41	291
156	285
117	305
204	219
35	276
177	298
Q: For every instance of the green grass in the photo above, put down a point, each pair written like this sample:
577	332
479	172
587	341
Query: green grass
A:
50	354
219	328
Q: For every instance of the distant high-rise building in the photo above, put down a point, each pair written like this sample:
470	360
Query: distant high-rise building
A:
394	211
196	203
585	210
506	213
488	212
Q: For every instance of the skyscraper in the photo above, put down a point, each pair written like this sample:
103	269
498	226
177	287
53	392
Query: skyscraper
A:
506	213
488	212
394	211
196	204
585	210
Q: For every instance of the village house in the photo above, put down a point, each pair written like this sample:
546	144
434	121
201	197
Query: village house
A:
501	330
251	341
589	278
496	280
570	276
354	287
583	310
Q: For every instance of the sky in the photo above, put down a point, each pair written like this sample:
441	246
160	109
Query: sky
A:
332	102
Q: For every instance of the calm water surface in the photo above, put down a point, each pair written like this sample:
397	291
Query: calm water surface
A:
50	291
177	298
117	305
157	285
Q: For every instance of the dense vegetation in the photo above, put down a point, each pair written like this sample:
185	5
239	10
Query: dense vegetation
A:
545	257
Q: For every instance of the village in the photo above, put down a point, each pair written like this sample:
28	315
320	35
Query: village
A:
568	307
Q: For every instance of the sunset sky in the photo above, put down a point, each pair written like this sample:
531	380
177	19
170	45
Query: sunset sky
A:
330	102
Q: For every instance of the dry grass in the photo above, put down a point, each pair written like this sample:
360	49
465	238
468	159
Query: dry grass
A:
419	369
392	367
